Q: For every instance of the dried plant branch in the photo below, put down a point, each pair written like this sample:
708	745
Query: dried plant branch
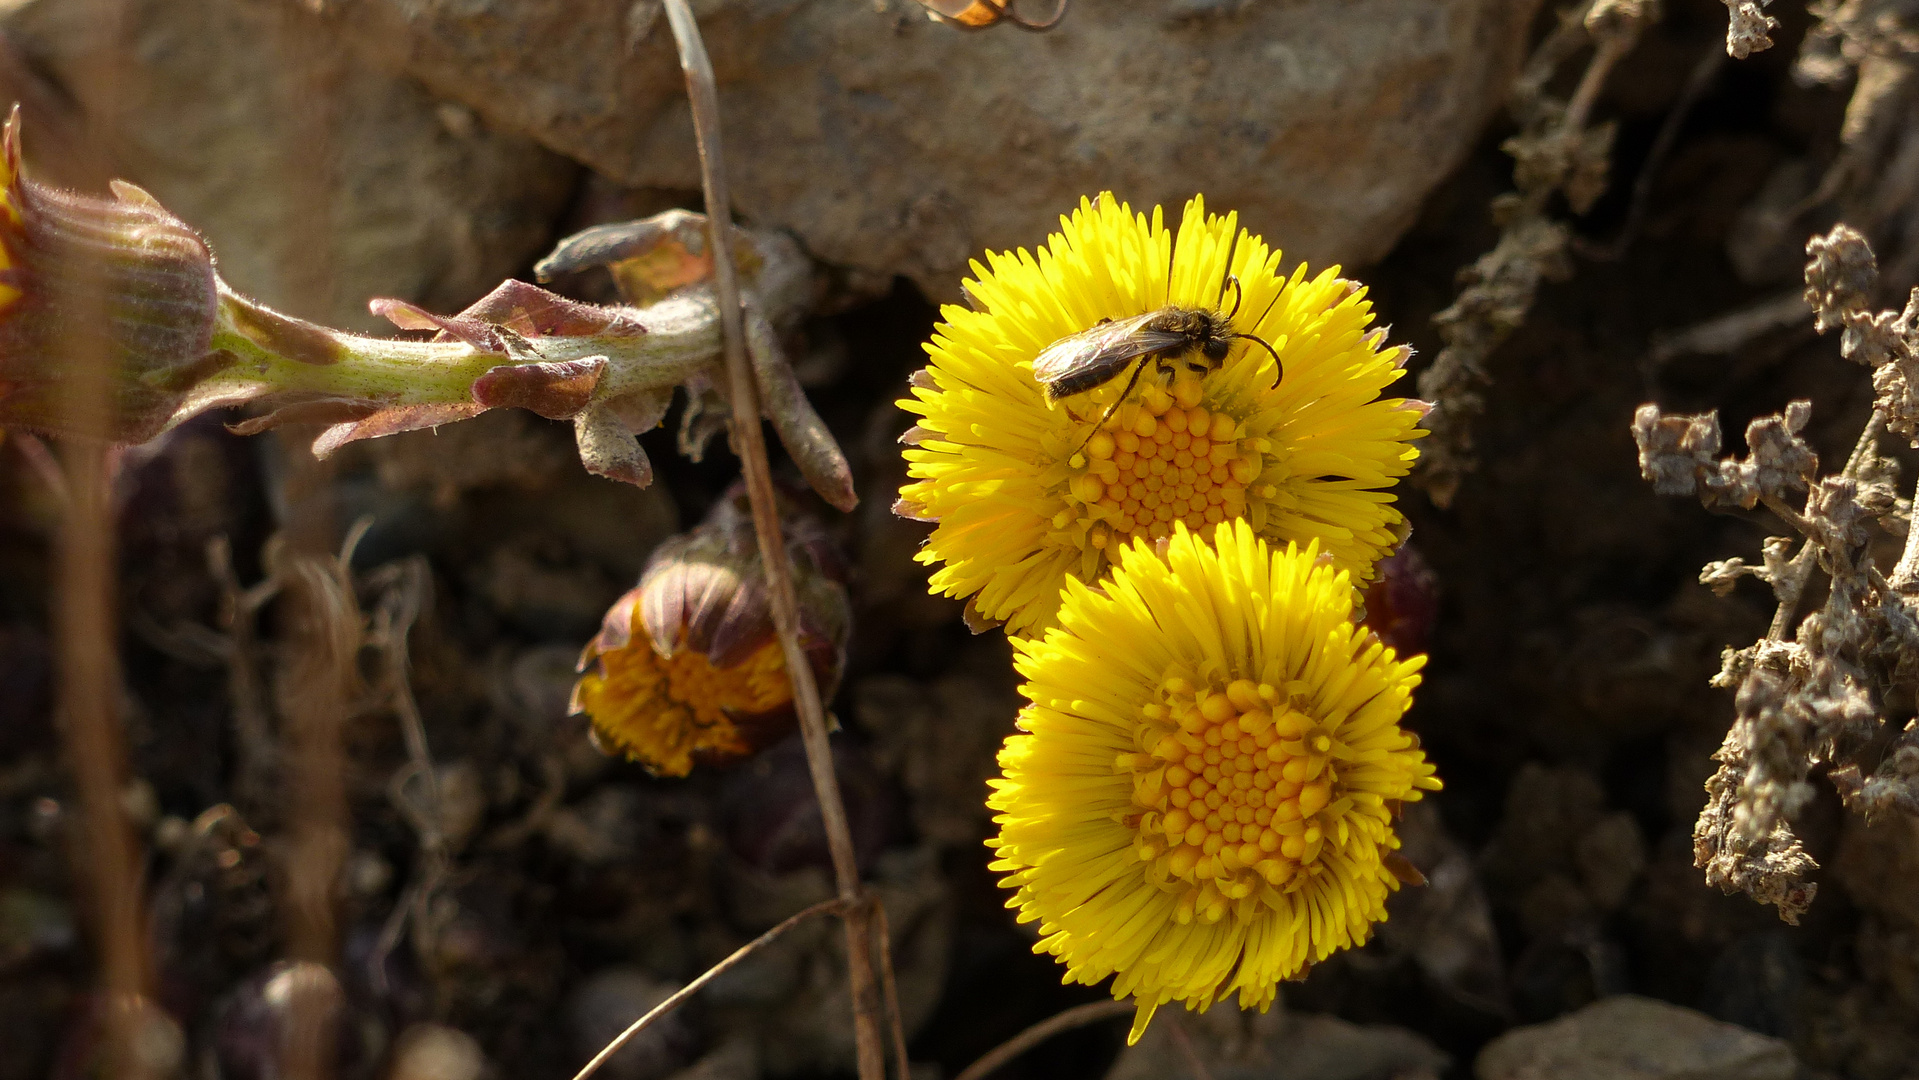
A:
317	684
1555	154
837	905
1836	693
107	855
1748	27
408	586
1702	74
750	444
1076	1017
1186	1050
895	1020
252	724
43	463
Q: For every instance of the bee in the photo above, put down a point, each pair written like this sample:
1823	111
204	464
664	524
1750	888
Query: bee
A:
1199	338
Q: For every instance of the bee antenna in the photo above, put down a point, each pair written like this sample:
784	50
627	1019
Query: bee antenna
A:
1227	275
1239	295
1279	364
1270	304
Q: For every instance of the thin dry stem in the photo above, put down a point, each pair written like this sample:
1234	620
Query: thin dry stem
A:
1076	1017
43	463
107	853
399	609
891	986
1609	53
315	690
680	996
750	444
252	724
1186	1049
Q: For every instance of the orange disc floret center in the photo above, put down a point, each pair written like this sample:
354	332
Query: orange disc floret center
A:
1160	458
1235	792
664	710
756	685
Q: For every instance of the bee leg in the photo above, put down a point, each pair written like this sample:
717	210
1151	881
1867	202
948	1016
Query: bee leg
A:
1111	409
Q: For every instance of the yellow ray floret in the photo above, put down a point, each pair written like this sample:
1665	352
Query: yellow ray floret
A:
1027	493
667	712
1203	799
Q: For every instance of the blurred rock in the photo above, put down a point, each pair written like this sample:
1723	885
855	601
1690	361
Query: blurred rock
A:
509	448
462	802
437	1052
542	588
895	146
1233	1045
1565	970
1560	860
1879	866
1610	856
319	182
158	1045
736	1060
32	923
942	740
254	1025
1756	981
1446	925
608	1002
772	818
805	1029
26	691
1635	1038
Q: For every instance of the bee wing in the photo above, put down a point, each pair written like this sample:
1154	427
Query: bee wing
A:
1108	343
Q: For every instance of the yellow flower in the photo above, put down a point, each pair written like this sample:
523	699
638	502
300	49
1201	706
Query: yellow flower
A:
687	666
1019	510
1203	800
667	712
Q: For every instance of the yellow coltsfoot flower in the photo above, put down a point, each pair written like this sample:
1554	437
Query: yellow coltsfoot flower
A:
1028	493
1203	799
687	667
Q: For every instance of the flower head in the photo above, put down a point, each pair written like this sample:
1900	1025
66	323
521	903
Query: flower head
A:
119	283
1022	506
1202	802
687	666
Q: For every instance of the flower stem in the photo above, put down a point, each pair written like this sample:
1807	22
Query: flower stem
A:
750	443
277	356
278	353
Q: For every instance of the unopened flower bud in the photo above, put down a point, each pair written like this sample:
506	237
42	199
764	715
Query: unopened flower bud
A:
118	287
1402	601
687	666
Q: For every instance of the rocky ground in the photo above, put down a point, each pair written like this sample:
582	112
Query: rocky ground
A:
425	150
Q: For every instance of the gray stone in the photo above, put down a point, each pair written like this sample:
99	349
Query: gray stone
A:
1233	1045
1635	1038
320	182
892	145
